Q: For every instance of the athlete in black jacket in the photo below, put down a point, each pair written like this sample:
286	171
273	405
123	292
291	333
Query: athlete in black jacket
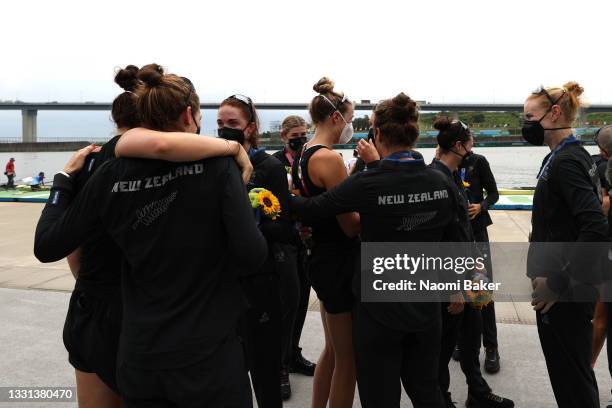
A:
270	326
294	133
455	144
566	209
266	328
476	172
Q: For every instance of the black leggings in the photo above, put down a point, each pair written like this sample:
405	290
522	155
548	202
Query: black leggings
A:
489	327
566	336
465	329
385	356
304	299
286	261
263	338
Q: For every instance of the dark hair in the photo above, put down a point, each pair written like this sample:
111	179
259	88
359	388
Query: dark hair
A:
450	132
397	119
321	108
163	97
124	110
250	114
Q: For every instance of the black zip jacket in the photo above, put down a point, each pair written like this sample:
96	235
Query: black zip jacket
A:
566	209
478	174
397	202
186	230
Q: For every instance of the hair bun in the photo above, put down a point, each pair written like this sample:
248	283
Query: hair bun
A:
442	123
403	108
324	86
127	78
151	75
401	99
574	88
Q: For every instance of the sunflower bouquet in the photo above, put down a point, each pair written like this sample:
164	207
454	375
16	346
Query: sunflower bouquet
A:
479	298
264	202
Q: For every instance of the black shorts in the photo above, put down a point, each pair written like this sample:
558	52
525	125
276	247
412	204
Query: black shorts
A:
219	381
331	268
91	333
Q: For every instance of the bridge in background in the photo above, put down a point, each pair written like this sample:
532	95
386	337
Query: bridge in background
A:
29	111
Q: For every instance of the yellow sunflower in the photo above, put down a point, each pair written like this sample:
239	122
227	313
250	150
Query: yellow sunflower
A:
269	204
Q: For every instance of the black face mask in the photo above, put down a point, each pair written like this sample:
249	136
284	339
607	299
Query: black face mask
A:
195	121
297	143
464	157
533	131
231	134
371	136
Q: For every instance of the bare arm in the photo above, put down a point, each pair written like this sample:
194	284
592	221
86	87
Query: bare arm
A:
327	170
180	147
74	262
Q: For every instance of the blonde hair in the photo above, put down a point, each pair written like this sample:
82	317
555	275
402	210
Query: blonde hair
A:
567	97
291	122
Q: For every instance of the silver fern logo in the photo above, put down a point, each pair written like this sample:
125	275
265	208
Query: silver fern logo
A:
151	212
410	223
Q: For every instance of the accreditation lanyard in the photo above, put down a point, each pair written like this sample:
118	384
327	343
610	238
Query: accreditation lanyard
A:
252	152
399	157
462	173
568	140
289	157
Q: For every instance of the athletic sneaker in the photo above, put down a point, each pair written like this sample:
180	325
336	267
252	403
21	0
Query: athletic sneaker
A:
456	354
491	363
489	400
284	384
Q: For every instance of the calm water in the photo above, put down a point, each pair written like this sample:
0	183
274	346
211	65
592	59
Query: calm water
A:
512	166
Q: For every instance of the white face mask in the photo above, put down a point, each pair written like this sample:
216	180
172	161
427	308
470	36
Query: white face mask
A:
347	132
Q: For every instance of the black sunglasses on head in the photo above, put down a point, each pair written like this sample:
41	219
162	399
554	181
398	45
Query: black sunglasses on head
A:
191	89
463	125
245	100
542	91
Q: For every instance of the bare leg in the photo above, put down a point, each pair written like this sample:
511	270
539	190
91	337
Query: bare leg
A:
324	370
342	392
93	393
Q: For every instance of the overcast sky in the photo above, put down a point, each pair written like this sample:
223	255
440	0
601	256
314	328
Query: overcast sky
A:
274	51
